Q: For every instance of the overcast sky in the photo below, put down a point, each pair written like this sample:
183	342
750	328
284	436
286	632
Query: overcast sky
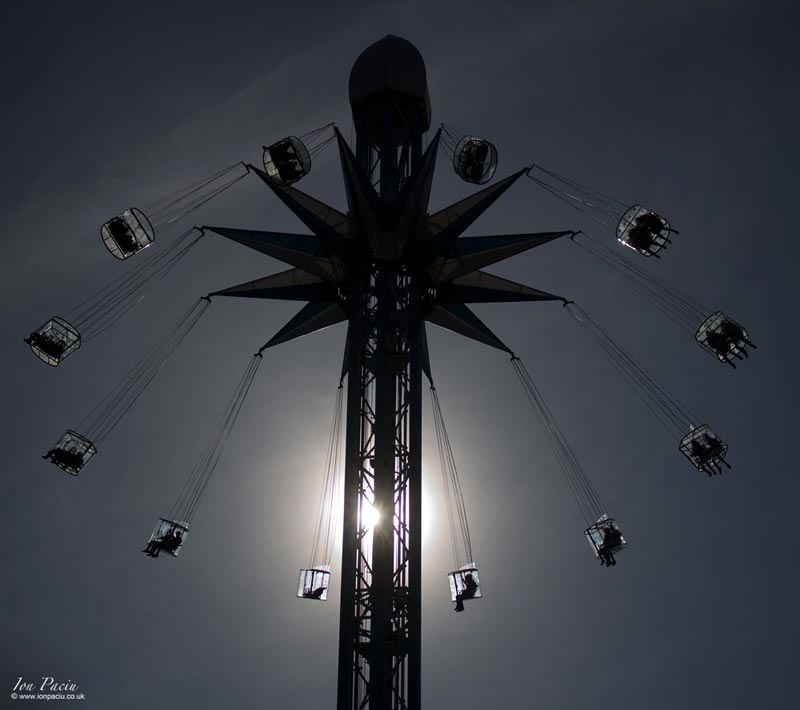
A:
688	107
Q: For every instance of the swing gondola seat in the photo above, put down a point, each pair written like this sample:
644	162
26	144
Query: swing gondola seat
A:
168	536
475	160
314	583
459	581
705	450
723	337
71	453
54	341
643	230
596	535
287	161
127	233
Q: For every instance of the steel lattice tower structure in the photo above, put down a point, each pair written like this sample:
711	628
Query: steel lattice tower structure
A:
386	267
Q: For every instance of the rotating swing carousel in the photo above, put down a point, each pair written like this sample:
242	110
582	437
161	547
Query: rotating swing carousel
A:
450	267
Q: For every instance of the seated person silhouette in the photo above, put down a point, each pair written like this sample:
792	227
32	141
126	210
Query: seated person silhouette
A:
702	452
289	171
153	547
639	238
474	171
286	161
123	235
173	541
720	345
470	588
655	224
716	450
48	343
281	152
475	155
479	152
65	459
314	593
735	334
611	540
166	542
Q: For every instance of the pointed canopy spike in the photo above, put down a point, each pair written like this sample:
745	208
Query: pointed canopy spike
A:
448	224
460	319
482	287
417	193
303	251
426	358
362	200
291	285
322	219
471	253
314	316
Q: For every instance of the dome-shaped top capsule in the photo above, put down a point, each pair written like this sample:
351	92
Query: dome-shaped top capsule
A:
392	67
475	160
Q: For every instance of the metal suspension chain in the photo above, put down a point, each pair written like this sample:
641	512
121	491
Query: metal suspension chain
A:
449	139
176	205
317	141
684	310
99	423
199	477
589	501
601	208
327	518
97	313
454	497
673	414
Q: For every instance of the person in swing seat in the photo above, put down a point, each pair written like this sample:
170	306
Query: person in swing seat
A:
123	235
470	587
700	451
639	238
716	450
655	225
735	334
173	540
64	458
721	346
611	540
47	342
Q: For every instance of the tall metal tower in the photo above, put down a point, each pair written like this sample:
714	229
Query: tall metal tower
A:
386	267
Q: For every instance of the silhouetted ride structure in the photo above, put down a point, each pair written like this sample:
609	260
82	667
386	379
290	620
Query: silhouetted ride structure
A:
386	266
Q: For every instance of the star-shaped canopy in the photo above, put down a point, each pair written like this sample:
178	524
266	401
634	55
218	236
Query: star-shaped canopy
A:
402	235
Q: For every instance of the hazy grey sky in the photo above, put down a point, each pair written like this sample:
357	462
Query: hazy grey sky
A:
689	107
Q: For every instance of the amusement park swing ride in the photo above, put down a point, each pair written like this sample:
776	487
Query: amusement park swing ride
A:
386	266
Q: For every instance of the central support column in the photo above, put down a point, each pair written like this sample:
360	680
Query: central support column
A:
379	641
384	467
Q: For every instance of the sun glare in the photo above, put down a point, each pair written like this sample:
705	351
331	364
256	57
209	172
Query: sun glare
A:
370	515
